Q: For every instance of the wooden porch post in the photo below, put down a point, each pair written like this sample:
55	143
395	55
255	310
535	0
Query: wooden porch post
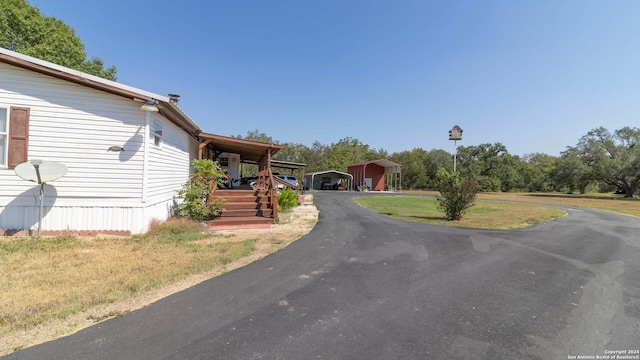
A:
272	189
201	148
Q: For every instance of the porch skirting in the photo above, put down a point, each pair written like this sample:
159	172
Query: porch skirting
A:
106	219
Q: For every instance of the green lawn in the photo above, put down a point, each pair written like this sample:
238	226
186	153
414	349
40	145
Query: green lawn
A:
483	215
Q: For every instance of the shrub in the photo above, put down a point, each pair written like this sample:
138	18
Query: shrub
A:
194	199
457	194
287	199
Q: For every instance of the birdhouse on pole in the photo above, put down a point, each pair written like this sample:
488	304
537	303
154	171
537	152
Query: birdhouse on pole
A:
455	133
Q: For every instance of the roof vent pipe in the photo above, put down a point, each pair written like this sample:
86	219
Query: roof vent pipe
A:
174	98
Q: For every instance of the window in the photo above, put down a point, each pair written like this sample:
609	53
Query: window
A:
14	136
157	133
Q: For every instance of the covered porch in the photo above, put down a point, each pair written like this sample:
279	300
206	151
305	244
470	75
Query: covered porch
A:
230	153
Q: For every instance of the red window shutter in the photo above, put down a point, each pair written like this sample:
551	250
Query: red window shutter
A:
18	135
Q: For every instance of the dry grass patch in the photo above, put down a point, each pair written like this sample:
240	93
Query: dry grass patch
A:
505	215
43	276
606	202
56	286
598	201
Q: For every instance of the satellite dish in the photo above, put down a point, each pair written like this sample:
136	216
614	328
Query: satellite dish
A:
41	171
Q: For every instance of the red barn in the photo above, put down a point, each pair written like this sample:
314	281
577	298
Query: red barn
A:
377	175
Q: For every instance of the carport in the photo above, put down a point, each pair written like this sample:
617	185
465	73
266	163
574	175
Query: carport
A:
292	166
328	180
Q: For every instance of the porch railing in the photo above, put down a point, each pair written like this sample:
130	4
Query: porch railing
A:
266	181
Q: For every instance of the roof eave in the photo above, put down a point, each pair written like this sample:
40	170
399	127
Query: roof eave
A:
172	112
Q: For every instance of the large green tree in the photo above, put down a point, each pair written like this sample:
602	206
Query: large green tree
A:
25	30
492	165
347	151
314	157
571	174
415	174
257	135
536	171
613	158
292	152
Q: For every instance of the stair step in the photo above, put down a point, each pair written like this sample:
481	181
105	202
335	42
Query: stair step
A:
246	212
243	209
245	205
234	193
245	199
239	221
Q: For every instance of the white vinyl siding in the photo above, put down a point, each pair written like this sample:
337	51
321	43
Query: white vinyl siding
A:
169	165
102	190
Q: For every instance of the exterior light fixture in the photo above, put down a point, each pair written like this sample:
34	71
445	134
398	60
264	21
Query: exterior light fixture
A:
149	105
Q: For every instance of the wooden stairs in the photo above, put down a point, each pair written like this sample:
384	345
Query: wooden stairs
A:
244	209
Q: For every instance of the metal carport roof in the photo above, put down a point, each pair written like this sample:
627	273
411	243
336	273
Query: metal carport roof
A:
385	163
313	174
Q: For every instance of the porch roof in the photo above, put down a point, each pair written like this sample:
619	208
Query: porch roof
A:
252	151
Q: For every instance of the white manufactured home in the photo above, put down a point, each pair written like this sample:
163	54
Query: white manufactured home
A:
124	164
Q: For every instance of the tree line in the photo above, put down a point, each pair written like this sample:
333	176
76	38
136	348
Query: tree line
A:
601	161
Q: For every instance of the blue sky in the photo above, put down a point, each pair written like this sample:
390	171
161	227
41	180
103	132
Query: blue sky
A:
396	75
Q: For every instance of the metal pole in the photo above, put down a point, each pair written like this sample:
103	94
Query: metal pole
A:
455	154
41	208
37	167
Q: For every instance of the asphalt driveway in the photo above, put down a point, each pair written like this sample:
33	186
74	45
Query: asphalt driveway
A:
364	286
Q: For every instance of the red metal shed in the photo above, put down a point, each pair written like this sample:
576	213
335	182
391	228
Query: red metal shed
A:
381	174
